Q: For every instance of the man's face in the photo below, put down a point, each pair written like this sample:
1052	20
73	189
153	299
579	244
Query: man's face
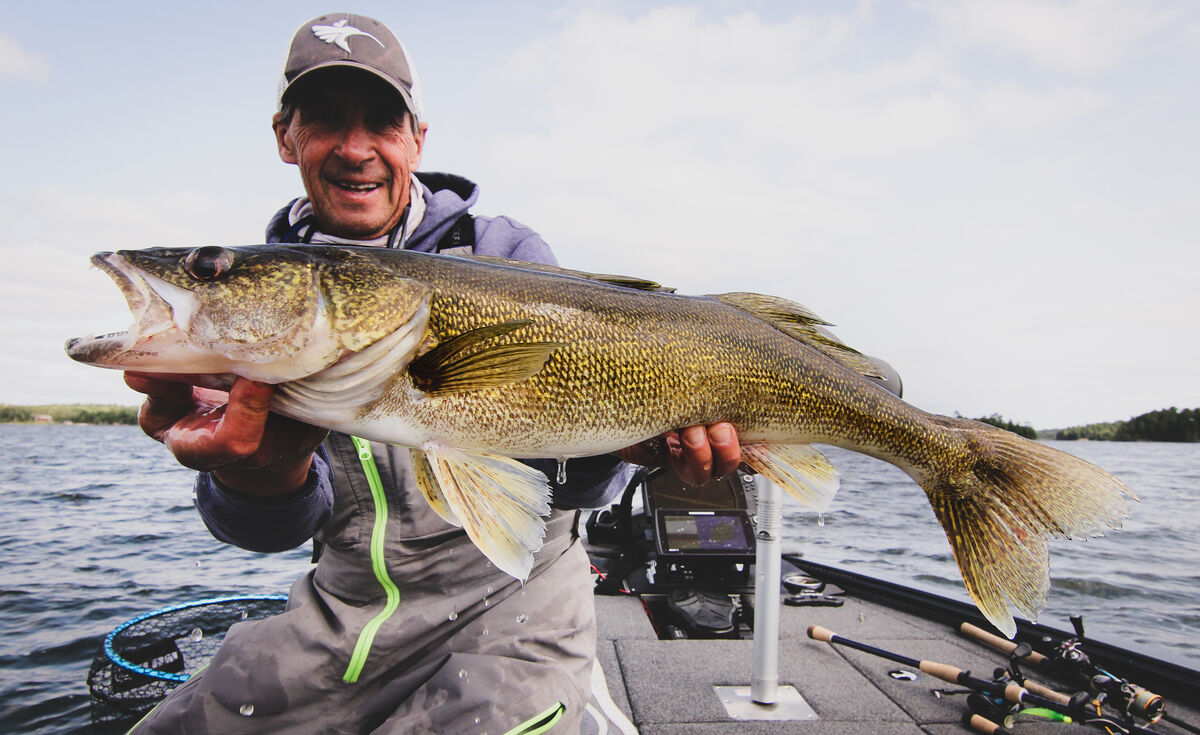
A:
354	145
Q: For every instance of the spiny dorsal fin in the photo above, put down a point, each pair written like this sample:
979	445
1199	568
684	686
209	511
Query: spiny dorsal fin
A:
802	324
641	284
464	362
799	469
499	501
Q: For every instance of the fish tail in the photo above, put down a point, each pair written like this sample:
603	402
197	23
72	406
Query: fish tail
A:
999	503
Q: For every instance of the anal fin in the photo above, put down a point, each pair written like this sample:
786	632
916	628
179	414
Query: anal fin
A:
499	501
799	469
428	484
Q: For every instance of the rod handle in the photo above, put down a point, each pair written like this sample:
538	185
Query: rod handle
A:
945	672
982	724
995	641
817	633
1046	692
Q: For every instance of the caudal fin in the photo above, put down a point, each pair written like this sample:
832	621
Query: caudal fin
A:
1002	500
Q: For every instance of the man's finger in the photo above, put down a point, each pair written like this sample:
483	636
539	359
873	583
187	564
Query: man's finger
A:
165	403
241	428
694	461
726	451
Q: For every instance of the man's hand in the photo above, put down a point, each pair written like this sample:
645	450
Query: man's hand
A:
697	453
233	435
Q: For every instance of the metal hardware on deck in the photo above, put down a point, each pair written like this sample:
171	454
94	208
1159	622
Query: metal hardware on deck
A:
764	699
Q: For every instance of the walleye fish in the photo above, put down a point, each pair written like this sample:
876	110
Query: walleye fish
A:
474	361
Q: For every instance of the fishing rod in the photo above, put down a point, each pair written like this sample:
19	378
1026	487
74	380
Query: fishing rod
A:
1069	658
1075	706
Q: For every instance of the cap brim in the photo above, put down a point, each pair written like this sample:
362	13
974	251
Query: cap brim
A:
346	63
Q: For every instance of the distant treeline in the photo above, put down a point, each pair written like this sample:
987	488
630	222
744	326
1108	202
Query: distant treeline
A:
75	414
1167	425
1024	430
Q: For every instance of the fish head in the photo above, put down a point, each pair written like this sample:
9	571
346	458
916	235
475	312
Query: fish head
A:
270	313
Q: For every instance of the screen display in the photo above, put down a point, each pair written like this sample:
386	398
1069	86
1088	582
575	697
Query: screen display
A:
706	533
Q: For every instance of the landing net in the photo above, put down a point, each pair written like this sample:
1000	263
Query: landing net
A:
143	659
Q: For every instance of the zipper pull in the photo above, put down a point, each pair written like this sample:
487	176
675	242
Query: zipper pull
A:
363	446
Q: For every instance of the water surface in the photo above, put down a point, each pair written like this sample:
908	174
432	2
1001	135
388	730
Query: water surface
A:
98	526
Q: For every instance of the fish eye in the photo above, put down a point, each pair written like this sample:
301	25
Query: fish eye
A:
208	263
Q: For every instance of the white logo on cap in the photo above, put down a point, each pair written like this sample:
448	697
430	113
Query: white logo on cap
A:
339	33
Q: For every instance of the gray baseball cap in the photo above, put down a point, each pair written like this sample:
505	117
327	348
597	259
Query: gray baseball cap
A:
355	41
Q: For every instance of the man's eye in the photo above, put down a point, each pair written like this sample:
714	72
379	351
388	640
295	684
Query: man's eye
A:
384	122
322	115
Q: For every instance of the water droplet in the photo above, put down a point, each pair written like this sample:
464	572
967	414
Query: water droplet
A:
462	673
246	710
197	564
485	631
476	720
522	618
562	472
486	602
522	589
245	615
196	635
821	519
453	615
491	589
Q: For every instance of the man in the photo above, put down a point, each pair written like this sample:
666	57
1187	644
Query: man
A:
403	626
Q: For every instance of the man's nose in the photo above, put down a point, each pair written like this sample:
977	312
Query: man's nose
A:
355	145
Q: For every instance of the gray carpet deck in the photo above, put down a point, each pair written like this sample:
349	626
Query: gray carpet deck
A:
666	687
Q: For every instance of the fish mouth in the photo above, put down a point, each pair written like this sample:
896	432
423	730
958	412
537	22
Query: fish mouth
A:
154	318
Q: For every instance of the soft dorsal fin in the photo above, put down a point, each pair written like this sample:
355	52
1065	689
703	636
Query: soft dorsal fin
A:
641	284
800	323
465	362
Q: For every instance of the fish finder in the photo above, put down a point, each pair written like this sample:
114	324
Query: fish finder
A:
704	533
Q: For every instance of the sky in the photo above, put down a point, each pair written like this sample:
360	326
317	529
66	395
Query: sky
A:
1000	199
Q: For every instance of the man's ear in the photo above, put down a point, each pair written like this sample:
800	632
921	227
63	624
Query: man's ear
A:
418	147
283	139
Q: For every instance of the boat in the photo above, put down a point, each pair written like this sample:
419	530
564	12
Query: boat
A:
675	603
703	628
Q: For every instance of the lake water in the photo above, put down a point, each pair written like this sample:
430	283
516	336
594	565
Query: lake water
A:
98	526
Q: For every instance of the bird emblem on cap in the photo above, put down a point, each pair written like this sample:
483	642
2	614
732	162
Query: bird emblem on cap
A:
339	34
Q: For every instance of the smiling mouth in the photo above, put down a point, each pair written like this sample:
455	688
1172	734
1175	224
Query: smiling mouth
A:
356	187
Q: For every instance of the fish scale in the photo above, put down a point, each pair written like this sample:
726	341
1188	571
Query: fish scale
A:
472	362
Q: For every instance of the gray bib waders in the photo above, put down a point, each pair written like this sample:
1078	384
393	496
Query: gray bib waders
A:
455	647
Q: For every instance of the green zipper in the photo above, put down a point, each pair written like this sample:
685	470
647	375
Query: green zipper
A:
363	647
540	723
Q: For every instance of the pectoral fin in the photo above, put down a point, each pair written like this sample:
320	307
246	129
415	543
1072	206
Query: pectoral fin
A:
500	502
797	468
427	482
467	362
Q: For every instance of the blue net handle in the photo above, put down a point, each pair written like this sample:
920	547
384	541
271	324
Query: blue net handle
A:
118	660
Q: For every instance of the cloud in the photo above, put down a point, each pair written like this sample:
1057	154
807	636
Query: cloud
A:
1082	37
19	64
675	126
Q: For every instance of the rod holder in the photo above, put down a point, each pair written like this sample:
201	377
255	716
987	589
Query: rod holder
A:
764	682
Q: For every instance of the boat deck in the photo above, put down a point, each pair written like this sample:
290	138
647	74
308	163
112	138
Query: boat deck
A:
666	687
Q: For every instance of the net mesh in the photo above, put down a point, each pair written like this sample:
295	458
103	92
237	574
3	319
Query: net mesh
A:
143	659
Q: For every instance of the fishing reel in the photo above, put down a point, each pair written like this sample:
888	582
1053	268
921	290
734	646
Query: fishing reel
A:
1121	694
1131	699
